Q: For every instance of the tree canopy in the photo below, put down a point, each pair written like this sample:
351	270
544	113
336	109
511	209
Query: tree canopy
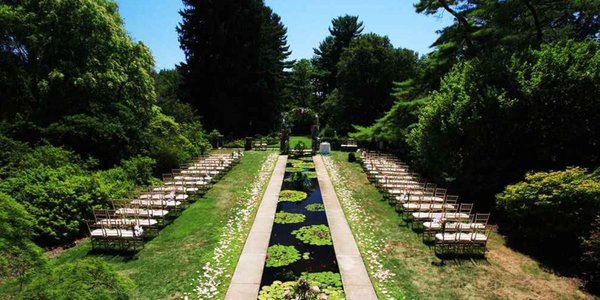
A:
327	56
74	77
367	71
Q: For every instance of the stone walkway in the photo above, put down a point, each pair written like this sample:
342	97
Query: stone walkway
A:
245	282
356	281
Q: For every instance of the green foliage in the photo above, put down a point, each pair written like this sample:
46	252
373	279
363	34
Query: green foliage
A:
591	256
317	235
296	163
291	290
315	207
293	170
167	84
360	99
120	182
280	255
551	211
311	175
495	118
173	143
517	25
23	157
17	253
59	191
300	147
298	180
395	125
292	196
59	199
71	74
289	218
236	56
342	32
139	169
83	279
306	255
300	87
324	279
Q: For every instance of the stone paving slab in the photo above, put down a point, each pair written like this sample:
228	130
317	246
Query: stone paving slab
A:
356	281
245	282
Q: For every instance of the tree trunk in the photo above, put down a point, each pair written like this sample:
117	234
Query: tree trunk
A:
536	21
462	20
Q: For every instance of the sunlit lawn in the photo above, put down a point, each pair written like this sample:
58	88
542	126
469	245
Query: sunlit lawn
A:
295	139
505	274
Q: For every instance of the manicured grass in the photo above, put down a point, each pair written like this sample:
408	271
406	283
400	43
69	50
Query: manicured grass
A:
503	274
168	265
295	139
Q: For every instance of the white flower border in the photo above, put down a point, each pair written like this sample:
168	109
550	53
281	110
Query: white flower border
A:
362	228
211	277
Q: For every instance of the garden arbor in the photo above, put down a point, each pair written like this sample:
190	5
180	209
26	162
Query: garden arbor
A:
293	117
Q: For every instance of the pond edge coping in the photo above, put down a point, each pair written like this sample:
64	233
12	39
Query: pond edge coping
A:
245	282
355	278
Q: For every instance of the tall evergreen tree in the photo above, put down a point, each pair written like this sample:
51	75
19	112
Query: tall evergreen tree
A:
342	31
236	54
300	88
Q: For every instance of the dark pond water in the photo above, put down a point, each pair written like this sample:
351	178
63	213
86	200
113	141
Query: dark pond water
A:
322	258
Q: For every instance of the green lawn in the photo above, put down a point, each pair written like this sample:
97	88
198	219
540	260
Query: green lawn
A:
168	264
295	139
387	244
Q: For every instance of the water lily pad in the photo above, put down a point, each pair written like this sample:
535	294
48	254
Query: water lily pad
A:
291	290
289	218
315	207
302	164
324	279
317	235
293	170
311	175
292	196
280	255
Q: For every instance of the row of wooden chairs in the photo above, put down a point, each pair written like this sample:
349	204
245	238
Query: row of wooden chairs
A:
124	226
452	225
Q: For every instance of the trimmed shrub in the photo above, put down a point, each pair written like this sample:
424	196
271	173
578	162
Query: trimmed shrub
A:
83	279
17	253
550	212
59	199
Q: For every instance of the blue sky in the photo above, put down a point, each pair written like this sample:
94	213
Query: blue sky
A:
307	21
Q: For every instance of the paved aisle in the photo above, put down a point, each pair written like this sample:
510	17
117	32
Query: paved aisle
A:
356	281
245	282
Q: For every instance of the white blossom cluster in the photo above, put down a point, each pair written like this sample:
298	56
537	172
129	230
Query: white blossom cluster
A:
211	277
363	223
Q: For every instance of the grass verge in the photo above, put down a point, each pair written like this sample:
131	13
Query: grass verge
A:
402	266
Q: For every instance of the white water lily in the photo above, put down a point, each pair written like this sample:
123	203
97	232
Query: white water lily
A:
212	275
